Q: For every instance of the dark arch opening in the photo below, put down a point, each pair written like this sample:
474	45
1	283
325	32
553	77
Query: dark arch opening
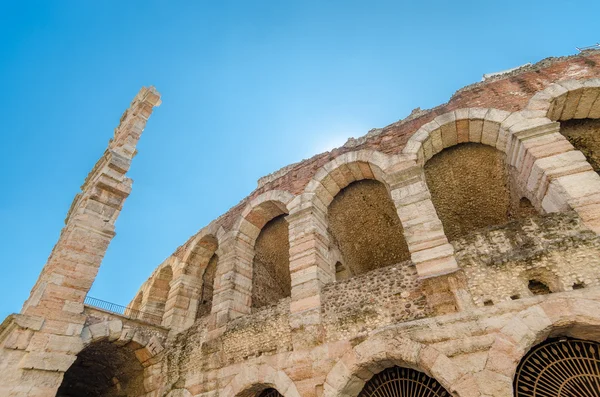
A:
271	280
538	288
103	370
405	382
270	392
559	367
208	281
471	189
364	224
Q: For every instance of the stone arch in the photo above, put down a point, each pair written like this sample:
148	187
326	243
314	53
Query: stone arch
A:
566	180
234	276
404	179
568	99
118	351
185	302
349	167
251	380
387	349
133	309
475	125
468	134
262	227
203	246
350	182
549	172
576	105
156	297
555	316
259	211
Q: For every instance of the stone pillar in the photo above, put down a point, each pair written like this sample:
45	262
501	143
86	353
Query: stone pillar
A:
429	248
55	304
232	294
310	268
182	304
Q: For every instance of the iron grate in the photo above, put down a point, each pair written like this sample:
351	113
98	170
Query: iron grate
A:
403	382
560	368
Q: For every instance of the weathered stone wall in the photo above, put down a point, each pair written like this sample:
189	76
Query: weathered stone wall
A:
471	189
554	249
265	331
365	226
384	296
271	270
584	134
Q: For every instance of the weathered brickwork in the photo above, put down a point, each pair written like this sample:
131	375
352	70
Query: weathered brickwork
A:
451	242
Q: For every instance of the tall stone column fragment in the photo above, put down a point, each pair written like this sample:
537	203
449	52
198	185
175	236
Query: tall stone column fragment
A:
46	336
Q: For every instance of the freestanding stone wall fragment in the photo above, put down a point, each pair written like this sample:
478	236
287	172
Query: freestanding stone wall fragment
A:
46	336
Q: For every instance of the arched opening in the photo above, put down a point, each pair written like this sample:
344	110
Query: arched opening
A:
471	189
560	367
538	288
584	134
364	224
341	271
270	392
271	280
208	281
133	310
157	295
103	370
403	382
202	266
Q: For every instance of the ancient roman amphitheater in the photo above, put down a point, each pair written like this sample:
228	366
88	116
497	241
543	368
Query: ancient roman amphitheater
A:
452	253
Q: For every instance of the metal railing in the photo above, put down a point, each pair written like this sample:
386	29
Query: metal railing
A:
124	311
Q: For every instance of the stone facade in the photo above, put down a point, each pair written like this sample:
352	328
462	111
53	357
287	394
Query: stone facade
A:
371	279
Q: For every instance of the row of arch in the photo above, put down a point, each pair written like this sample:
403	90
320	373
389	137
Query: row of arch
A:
365	209
540	353
549	349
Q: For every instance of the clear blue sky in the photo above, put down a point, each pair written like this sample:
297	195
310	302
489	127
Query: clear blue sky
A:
247	87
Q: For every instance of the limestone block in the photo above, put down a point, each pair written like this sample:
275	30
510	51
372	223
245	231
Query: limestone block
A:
467	387
436	141
47	361
436	267
30	322
126	336
563	190
494	384
64	344
18	339
441	251
489	134
589	96
445	371
114	330
575	89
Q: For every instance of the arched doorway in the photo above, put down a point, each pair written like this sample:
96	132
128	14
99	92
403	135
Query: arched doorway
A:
562	367
270	392
103	370
403	382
